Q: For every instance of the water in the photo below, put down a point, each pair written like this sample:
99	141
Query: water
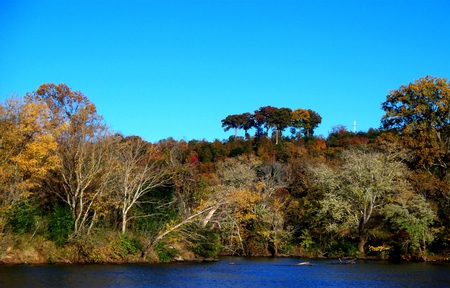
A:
254	272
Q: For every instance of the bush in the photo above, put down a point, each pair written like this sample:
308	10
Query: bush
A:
207	244
343	248
22	218
165	253
125	245
61	224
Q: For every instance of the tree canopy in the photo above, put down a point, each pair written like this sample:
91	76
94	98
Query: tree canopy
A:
278	119
419	112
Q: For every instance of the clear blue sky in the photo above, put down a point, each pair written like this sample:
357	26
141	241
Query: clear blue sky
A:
162	69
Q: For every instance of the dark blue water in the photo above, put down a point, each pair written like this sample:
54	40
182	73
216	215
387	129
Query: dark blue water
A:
254	272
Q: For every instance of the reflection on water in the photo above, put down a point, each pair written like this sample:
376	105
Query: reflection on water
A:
245	272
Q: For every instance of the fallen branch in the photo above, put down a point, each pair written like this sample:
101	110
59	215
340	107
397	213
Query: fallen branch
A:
171	229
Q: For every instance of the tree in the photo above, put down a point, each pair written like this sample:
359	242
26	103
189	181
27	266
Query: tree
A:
235	122
84	150
420	111
299	118
248	122
249	207
412	214
262	119
238	121
356	192
27	150
314	121
140	169
280	119
306	120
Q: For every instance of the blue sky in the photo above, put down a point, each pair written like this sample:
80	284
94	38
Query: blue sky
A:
162	69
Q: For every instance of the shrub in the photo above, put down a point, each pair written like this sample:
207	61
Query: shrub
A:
125	245
22	218
207	243
165	253
61	224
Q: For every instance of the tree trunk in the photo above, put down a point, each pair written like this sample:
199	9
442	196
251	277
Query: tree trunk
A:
208	217
362	243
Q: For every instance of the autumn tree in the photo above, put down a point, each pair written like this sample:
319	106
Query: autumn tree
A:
27	150
262	116
299	118
306	120
419	113
250	199
84	150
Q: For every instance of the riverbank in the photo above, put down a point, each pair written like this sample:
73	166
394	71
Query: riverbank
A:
114	250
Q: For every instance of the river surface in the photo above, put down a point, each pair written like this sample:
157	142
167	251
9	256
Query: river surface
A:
230	272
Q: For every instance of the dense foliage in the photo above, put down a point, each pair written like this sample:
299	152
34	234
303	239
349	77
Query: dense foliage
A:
93	195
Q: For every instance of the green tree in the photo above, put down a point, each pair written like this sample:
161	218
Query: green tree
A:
356	192
314	121
248	122
231	122
412	214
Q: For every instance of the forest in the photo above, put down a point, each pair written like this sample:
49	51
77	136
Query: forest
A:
73	191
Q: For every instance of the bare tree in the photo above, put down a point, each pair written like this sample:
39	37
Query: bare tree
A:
86	174
139	169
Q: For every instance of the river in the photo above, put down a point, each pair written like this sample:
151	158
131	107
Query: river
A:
230	272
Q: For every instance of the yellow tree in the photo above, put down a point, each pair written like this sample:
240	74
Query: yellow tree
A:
27	149
299	117
306	120
249	206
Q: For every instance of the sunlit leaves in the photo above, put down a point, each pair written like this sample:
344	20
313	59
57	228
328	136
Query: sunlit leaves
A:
306	120
420	112
27	147
411	213
364	183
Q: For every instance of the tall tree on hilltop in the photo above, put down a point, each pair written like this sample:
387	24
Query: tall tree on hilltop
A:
248	122
313	123
262	117
299	118
279	119
234	121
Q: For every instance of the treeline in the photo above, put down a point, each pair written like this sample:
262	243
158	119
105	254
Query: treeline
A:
72	190
301	121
